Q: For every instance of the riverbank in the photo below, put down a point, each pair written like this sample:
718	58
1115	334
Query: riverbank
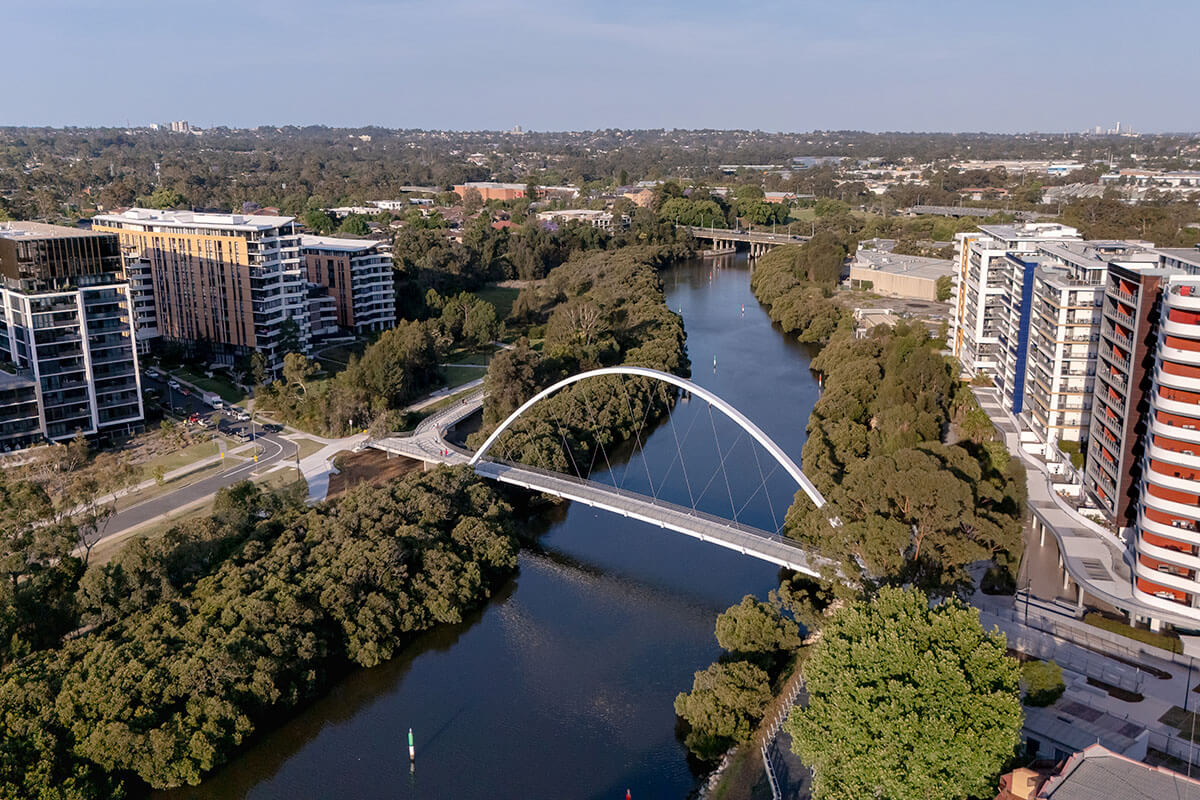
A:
583	650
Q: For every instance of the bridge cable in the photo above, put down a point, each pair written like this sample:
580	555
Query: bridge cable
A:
721	467
766	492
563	434
599	441
761	488
679	456
637	434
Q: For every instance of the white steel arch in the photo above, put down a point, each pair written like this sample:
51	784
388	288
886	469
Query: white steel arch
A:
645	372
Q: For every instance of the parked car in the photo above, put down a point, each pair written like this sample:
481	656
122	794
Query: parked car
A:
174	384
153	373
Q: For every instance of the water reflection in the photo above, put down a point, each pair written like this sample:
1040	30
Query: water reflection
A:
562	685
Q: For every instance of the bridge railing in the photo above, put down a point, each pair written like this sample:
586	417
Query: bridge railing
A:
666	504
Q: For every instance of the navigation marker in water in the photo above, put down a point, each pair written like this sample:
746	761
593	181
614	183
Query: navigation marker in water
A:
412	752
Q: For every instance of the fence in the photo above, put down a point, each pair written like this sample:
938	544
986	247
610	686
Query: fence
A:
1040	644
767	734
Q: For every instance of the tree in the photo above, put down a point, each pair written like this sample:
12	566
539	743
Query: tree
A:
726	702
753	627
472	200
162	197
479	323
318	221
258	368
945	285
355	225
907	701
1043	682
159	474
289	336
297	369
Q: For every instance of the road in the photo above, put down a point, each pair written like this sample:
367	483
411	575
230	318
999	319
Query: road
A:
275	449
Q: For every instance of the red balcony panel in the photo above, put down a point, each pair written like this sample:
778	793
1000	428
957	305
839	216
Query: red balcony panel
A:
1178	395
1162	591
1187	448
1186	317
1183	344
1185	370
1169	544
1172	494
1174	470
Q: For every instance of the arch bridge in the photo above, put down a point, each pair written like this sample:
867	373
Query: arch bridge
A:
428	444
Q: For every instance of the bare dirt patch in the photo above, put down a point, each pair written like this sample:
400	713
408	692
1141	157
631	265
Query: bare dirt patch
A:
367	466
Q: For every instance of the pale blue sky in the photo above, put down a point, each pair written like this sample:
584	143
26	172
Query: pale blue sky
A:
1009	65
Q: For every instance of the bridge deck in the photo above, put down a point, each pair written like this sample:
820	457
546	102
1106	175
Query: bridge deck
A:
708	528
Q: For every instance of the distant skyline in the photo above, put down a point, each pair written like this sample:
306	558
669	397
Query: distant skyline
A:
933	65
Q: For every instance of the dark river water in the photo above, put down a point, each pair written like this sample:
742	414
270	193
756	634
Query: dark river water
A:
562	686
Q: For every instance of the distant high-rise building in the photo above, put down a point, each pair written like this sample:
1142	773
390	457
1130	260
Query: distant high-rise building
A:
67	330
229	282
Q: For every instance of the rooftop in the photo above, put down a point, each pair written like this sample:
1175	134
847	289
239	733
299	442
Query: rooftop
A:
1099	774
334	243
1188	254
195	219
40	230
916	266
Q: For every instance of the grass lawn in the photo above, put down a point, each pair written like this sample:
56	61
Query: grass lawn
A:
501	299
335	358
1146	637
457	376
281	479
181	458
107	548
217	384
308	446
154	490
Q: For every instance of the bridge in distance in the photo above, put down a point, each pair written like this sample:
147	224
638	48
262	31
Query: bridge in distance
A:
428	443
759	242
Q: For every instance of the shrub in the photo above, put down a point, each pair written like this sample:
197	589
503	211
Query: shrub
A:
1042	681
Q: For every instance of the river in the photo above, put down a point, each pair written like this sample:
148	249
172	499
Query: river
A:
562	685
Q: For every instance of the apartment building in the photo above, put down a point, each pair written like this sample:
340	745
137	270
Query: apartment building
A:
980	304
67	331
1167	536
1064	335
358	275
1125	359
229	281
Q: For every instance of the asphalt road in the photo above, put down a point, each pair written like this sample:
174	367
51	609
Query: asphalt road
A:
275	449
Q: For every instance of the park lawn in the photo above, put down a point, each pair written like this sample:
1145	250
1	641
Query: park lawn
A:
216	384
282	479
458	375
103	552
181	458
335	358
1161	640
154	490
308	446
500	297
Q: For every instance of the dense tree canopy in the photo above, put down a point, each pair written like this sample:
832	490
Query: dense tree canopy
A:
912	507
598	309
907	701
206	631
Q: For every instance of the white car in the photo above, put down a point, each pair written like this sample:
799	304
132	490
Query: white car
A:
174	384
152	373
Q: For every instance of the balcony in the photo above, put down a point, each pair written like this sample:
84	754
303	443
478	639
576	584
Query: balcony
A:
1168	579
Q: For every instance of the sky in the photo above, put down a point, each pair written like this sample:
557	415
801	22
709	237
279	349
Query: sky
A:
920	65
